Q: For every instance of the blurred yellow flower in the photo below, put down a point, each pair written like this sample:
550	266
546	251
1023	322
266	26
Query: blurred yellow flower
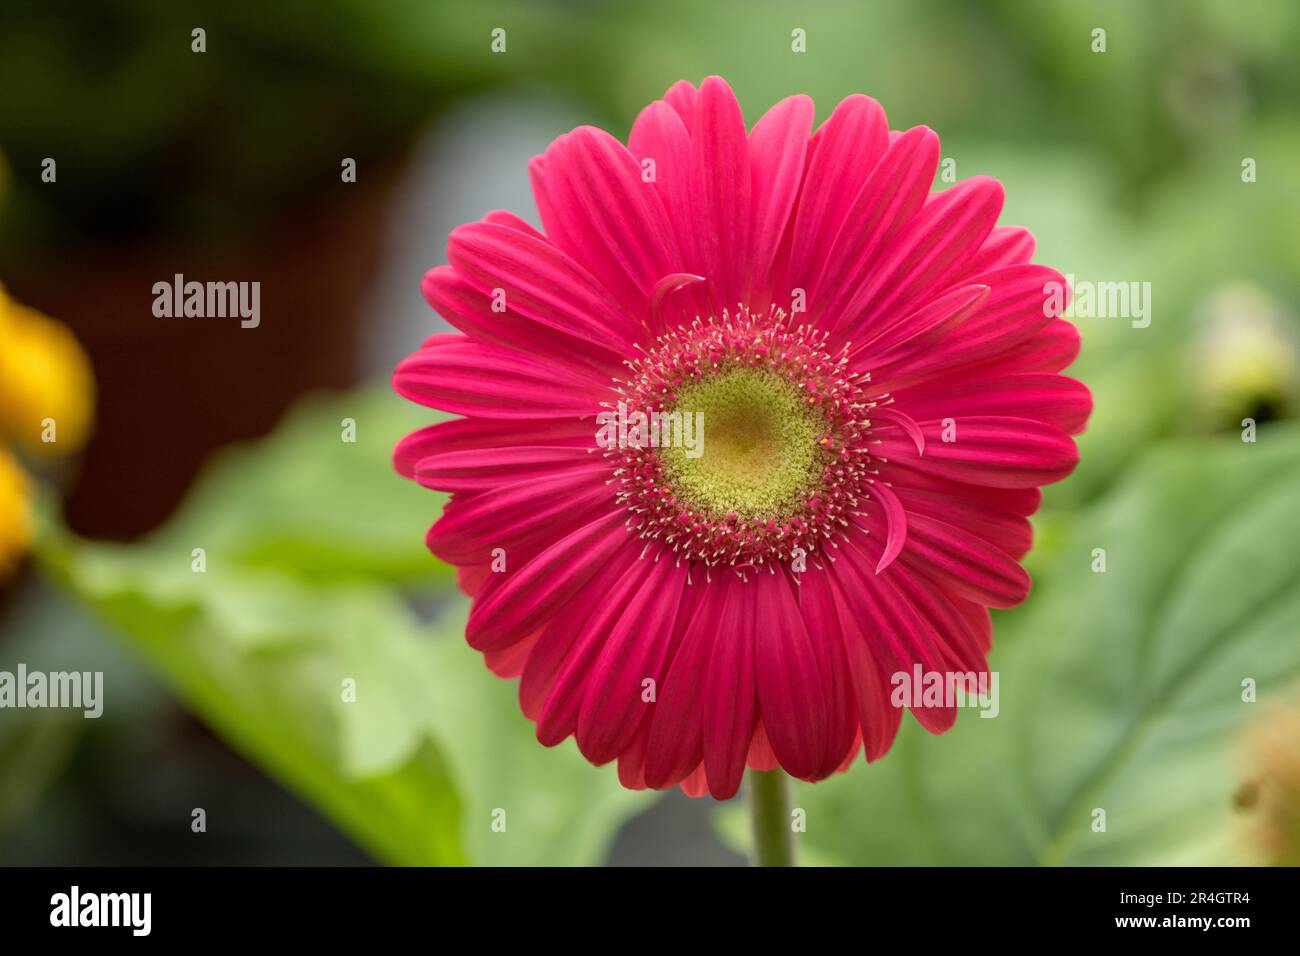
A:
47	391
15	513
47	395
1275	790
1246	357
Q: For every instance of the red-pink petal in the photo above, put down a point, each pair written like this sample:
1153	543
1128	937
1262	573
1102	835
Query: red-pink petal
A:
1005	246
471	311
730	695
896	344
504	217
597	209
466	377
963	563
635	651
877	720
481	469
789	684
1003	529
818	609
676	743
460	434
1054	399
561	632
889	198
682	96
720	182
1018	306
845	150
893	518
926	255
514	515
778	147
988	450
540	282
512	604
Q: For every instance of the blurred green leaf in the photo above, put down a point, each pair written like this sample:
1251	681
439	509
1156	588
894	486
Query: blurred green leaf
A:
34	748
560	810
313	505
1119	690
262	658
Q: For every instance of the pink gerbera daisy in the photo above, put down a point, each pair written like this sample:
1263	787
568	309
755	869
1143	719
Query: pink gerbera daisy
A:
876	369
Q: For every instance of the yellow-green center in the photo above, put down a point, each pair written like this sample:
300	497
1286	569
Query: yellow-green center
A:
761	457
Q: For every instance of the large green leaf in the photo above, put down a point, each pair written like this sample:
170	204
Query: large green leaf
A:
558	809
314	505
306	542
1120	691
262	658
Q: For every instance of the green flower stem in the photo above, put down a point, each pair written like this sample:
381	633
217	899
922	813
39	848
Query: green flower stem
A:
769	807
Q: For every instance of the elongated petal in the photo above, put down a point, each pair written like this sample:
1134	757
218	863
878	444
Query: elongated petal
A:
901	637
778	147
1054	399
676	743
928	253
1002	529
964	563
465	433
1018	501
638	645
683	96
730	698
1019	304
846	149
817	606
615	582
475	314
877	719
458	375
894	520
597	209
482	469
789	684
889	198
922	330
1005	246
514	515
989	450
661	137
721	196
511	605
538	281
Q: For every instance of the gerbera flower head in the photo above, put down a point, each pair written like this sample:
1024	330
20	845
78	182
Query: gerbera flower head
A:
875	368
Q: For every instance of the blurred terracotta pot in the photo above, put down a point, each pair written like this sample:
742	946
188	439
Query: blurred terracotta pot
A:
173	389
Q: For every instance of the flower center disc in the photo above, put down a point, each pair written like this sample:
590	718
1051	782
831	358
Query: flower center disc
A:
759	458
785	459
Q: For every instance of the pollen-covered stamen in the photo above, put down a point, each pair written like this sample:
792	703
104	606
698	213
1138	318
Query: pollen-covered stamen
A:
761	456
785	456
